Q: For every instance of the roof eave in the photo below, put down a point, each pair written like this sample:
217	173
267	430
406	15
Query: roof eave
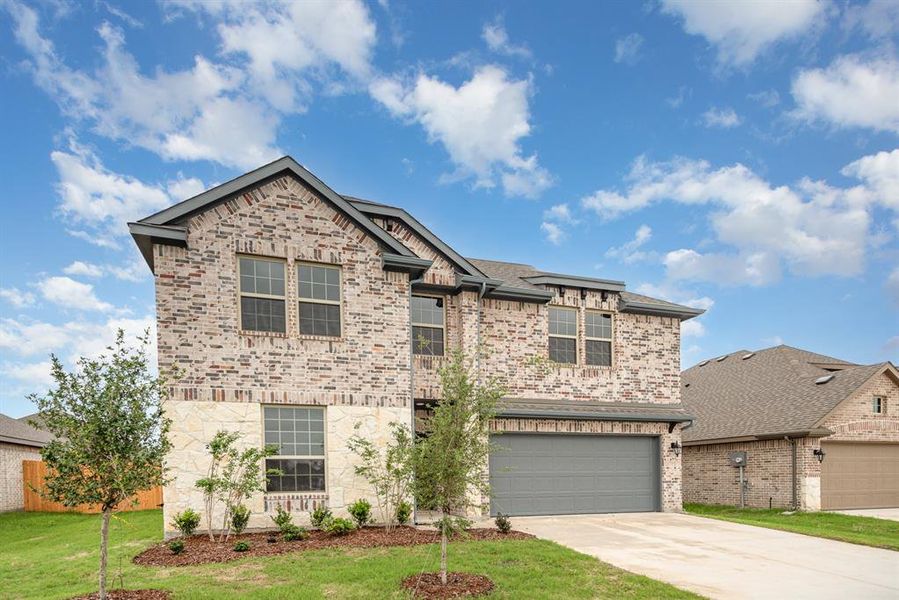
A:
683	313
145	235
596	416
505	292
413	265
575	281
812	432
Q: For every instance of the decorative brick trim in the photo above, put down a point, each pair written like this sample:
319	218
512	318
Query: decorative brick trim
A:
313	398
294	502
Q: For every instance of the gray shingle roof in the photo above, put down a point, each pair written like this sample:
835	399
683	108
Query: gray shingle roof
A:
16	431
772	392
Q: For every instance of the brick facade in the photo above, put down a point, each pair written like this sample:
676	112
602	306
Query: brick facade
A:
11	456
366	375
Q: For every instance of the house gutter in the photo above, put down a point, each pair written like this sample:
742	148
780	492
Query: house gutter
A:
795	476
412	382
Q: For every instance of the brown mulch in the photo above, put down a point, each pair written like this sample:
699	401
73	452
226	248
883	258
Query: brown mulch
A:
128	595
198	549
458	585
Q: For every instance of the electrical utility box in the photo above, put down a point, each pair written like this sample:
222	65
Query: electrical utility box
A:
737	459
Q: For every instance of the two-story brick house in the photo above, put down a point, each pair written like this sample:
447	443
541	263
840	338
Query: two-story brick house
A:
296	313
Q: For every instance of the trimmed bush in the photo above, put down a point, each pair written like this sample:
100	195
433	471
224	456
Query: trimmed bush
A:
403	513
503	523
240	516
282	518
186	521
176	546
241	546
293	533
360	510
320	516
339	526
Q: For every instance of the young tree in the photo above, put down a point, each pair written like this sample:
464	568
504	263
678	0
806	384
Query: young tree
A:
389	471
110	433
233	477
450	460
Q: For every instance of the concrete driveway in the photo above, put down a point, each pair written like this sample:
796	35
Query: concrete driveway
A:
878	513
725	560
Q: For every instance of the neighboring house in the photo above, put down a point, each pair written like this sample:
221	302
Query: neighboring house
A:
296	313
18	441
787	408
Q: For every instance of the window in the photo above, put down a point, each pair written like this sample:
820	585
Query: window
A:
262	295
319	293
563	335
598	333
299	434
427	325
879	405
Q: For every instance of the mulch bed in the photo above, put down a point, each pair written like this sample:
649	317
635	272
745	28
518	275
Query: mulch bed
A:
198	549
128	595
458	585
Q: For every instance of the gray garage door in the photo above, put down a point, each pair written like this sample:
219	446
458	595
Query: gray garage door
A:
549	474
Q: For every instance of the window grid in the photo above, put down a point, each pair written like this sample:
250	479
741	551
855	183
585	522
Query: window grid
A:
598	338
563	335
319	293
299	434
428	315
262	294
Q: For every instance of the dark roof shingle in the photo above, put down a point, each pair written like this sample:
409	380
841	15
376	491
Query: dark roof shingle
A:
16	431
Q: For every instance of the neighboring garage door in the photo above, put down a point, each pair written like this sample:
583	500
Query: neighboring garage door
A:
860	476
550	474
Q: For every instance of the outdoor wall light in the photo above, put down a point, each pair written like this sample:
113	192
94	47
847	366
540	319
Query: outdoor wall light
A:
675	447
819	454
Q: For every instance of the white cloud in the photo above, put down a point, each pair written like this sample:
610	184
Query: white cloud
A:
853	91
627	49
183	188
692	328
742	30
68	293
17	297
667	291
495	36
554	233
630	252
767	98
880	173
36	374
878	19
892	286
83	269
724	118
560	213
70	340
813	228
480	123
683	92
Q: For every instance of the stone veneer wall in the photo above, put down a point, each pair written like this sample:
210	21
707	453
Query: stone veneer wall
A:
669	463
11	457
196	423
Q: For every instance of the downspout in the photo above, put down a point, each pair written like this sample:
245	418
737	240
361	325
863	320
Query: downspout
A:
478	331
412	383
795	477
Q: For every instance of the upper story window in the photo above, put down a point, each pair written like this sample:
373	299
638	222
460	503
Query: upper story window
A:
598	334
299	434
319	304
879	405
262	303
563	335
427	325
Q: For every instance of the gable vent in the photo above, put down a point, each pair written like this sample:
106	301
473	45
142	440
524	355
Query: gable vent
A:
750	355
720	358
823	379
703	363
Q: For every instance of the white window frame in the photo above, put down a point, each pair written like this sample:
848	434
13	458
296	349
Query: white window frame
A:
323	457
300	299
567	337
241	294
609	339
442	327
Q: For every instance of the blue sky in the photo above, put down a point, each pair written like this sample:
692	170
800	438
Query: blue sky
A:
739	157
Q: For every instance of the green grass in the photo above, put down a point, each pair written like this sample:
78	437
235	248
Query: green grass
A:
868	531
53	555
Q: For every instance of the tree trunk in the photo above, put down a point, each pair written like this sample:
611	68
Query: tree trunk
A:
104	550
443	554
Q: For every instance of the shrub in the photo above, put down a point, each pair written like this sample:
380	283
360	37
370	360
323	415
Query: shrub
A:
240	516
241	546
320	516
360	510
339	526
282	518
291	533
403	512
503	523
186	521
176	546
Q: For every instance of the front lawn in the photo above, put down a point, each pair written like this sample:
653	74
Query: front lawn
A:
53	555
880	533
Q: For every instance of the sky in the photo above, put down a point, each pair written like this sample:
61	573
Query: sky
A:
739	157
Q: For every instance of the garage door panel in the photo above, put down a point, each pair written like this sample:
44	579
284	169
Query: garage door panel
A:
859	475
535	474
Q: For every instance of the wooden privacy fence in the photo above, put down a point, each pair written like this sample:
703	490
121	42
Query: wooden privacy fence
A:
33	474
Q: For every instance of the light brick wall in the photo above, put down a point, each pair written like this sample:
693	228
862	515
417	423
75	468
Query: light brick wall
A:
11	457
854	419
